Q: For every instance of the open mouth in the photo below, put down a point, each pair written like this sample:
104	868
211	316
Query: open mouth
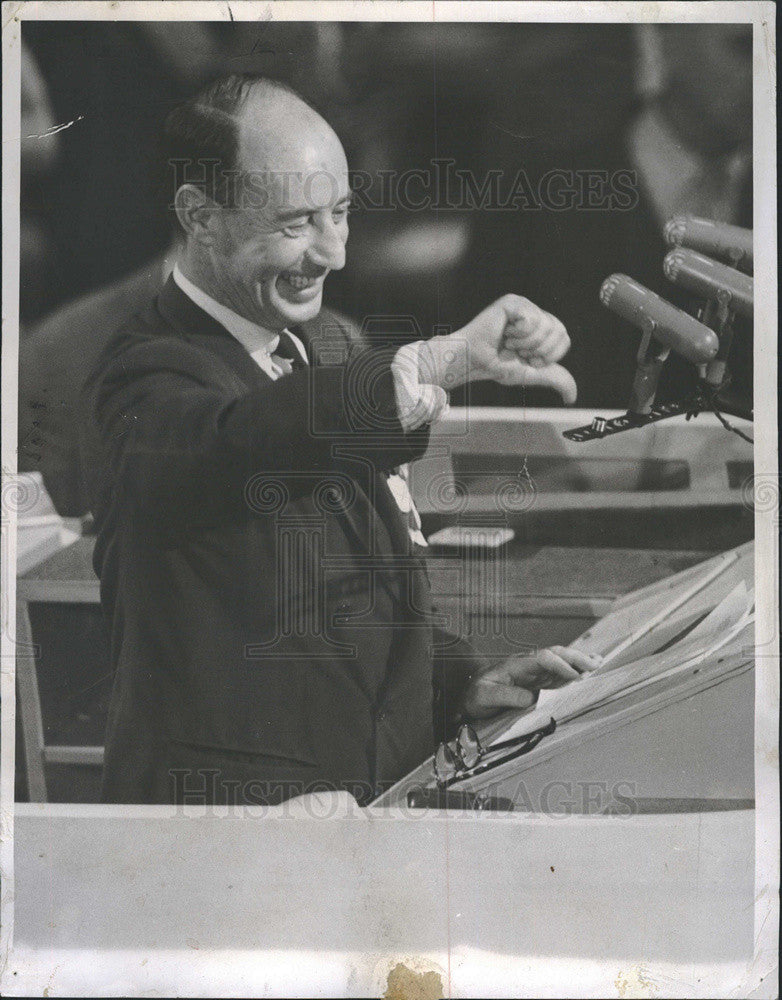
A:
299	282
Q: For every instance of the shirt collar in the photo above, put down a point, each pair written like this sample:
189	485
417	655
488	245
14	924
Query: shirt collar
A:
252	337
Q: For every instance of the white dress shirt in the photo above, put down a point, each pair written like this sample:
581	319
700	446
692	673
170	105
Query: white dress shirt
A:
259	343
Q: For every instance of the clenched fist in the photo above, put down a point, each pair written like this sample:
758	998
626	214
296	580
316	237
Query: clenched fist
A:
513	342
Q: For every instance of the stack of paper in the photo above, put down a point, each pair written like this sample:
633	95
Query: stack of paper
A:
728	627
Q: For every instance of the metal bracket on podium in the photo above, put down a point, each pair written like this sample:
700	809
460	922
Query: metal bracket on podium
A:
600	427
705	399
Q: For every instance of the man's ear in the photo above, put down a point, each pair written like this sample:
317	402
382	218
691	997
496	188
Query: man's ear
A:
197	213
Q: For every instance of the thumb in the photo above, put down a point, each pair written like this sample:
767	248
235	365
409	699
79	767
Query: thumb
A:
554	377
516	372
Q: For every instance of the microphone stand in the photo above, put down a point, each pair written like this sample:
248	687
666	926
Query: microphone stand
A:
651	358
719	316
713	378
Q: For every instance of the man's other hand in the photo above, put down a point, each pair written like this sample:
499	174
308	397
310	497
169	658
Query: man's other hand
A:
513	342
516	682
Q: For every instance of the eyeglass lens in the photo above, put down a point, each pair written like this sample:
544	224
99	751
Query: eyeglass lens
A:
469	747
446	763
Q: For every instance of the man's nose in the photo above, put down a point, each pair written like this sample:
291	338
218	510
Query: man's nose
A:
328	247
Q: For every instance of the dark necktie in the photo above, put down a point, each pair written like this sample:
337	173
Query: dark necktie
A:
288	351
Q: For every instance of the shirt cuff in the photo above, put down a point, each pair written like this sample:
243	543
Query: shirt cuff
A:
417	402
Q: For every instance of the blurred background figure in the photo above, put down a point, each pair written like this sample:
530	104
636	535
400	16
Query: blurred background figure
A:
40	148
692	141
424	94
685	140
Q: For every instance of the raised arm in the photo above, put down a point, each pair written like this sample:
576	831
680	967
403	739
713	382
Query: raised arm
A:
160	431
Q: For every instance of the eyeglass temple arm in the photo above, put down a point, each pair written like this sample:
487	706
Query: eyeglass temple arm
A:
546	730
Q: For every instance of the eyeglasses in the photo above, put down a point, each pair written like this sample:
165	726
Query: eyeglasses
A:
466	757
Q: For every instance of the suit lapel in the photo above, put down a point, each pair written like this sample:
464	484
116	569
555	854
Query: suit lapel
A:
198	327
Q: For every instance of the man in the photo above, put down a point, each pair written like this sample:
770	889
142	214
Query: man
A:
270	615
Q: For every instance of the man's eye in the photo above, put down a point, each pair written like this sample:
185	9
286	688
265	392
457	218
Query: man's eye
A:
340	213
295	228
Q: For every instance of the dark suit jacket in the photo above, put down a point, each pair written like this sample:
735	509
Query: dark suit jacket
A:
270	624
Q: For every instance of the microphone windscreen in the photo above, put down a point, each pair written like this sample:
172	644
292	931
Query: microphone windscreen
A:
708	278
715	239
670	326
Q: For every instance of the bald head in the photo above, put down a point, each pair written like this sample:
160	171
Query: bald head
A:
273	123
240	123
285	144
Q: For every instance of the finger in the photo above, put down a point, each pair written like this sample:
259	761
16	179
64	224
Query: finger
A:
490	696
530	334
557	669
546	669
517	309
526	354
584	662
535	323
510	370
555	345
543	348
559	344
525	347
524	318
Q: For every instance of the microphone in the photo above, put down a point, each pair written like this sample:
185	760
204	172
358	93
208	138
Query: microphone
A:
670	326
727	292
664	327
715	239
710	280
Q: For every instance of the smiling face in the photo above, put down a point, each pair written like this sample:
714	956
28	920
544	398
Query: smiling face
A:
268	256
